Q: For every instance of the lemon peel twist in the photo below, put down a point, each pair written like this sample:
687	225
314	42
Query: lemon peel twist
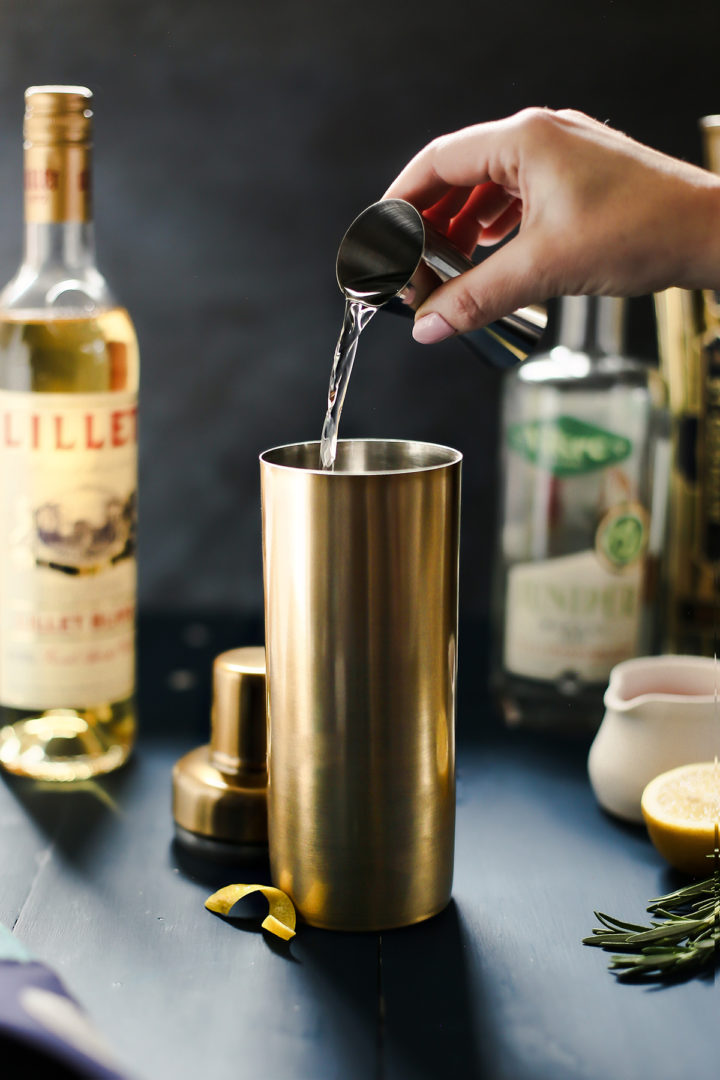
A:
281	918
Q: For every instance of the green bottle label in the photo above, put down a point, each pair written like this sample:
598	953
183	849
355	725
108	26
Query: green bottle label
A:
566	446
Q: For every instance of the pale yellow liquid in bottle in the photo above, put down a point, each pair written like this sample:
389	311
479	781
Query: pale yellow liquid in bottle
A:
67	355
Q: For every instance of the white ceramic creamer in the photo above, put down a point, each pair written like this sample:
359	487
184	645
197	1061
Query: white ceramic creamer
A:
660	712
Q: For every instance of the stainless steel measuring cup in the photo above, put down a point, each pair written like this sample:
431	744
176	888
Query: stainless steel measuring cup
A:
391	257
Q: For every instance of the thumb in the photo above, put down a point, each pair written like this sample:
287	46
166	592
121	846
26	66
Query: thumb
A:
510	278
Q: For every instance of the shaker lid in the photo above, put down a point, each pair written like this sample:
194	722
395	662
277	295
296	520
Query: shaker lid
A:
238	737
220	790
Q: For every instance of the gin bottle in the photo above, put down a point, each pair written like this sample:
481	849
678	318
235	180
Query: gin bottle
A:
68	469
581	521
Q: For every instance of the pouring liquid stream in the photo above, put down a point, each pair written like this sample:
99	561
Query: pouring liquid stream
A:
357	316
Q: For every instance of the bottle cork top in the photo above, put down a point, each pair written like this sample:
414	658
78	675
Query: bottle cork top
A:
58	114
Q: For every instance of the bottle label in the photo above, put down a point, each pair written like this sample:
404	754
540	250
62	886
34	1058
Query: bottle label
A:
566	446
68	509
571	616
622	536
57	183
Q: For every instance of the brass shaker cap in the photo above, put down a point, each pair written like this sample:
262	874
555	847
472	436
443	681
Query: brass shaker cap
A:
220	790
58	115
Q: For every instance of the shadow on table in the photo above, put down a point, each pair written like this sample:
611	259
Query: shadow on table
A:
247	915
436	1017
71	814
215	873
431	1019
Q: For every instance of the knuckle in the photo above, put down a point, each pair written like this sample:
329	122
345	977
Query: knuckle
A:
577	120
570	114
535	119
438	145
438	142
427	157
465	312
538	126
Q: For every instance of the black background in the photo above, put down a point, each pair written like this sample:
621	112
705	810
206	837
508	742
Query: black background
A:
235	141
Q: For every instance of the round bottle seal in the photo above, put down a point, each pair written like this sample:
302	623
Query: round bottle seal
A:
622	535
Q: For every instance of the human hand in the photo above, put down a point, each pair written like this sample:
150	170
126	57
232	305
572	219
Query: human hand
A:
598	214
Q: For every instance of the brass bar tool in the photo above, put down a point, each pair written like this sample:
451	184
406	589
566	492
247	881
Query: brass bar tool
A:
219	790
361	601
689	338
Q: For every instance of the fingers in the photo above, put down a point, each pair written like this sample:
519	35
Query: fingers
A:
502	226
510	278
481	215
467	158
468	184
419	184
492	151
598	214
443	211
486	203
452	161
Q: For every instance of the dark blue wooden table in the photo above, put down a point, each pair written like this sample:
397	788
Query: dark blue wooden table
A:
498	986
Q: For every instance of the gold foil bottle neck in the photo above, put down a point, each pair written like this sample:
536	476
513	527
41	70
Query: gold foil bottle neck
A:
58	115
220	790
58	137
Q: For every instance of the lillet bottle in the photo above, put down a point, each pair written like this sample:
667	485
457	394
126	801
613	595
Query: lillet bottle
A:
68	471
583	495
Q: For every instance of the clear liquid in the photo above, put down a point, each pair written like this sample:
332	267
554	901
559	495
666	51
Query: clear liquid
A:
357	316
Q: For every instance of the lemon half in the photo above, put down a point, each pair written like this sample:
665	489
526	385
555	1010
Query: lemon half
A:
682	813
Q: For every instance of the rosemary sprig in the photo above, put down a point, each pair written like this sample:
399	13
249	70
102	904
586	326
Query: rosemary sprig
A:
686	941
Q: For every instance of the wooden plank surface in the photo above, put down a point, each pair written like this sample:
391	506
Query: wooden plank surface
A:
498	986
501	986
119	914
24	847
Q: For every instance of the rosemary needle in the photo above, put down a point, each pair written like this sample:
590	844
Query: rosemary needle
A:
685	942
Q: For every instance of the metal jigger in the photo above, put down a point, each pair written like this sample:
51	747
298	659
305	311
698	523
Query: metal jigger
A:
391	257
220	790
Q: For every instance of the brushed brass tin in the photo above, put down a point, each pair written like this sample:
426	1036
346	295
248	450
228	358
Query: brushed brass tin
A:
361	601
689	340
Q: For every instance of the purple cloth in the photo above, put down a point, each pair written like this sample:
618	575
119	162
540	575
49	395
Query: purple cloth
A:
43	1031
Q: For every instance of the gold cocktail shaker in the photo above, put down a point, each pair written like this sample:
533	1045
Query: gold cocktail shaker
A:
689	338
361	600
